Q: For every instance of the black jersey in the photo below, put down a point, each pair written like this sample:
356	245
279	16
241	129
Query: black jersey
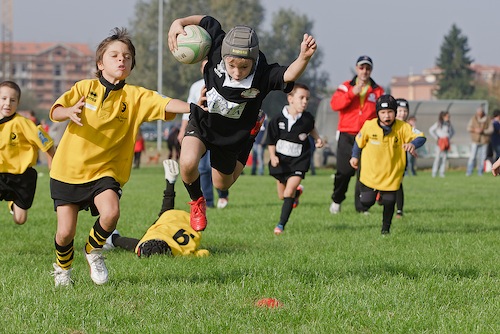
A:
233	106
292	144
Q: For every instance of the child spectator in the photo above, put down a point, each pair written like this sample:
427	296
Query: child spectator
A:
94	158
237	78
384	142
20	140
290	150
442	131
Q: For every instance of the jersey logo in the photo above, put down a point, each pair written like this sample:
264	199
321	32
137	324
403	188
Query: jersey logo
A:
250	93
124	107
288	148
42	138
372	97
217	104
92	96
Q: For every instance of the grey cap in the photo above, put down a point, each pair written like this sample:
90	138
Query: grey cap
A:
242	42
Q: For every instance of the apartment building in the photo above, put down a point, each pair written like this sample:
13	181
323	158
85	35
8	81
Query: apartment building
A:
48	69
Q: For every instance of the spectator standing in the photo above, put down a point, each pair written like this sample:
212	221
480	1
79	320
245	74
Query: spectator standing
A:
258	150
480	129
354	100
139	147
442	131
495	136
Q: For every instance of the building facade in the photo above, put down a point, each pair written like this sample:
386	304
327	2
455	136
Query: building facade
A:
48	69
423	86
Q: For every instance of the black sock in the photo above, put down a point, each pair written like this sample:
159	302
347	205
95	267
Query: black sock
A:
194	189
286	210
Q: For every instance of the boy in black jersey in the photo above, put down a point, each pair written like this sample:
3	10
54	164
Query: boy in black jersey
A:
237	79
290	149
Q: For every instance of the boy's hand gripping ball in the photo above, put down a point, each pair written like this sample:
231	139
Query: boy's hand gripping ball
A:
194	46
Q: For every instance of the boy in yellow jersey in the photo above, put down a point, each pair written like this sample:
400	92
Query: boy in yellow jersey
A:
382	144
94	158
20	140
171	233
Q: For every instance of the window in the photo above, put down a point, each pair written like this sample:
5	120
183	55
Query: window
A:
57	69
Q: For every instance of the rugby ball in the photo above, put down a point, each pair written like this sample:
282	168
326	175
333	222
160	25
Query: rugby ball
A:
194	46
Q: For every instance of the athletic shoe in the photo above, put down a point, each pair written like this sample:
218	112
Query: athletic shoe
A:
334	208
298	192
222	203
171	170
399	214
98	270
61	277
278	229
153	246
109	241
386	229
198	216
10	204
260	120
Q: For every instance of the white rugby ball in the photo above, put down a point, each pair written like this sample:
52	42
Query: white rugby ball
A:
194	46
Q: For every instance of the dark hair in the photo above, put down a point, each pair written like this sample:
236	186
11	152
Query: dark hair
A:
117	34
298	85
496	112
441	117
14	86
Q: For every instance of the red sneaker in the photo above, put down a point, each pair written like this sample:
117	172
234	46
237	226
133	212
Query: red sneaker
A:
298	192
260	120
198	217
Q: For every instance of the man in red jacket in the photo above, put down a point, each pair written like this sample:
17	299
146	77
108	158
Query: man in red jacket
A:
354	100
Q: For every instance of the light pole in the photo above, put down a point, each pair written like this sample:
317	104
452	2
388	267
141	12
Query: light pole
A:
160	69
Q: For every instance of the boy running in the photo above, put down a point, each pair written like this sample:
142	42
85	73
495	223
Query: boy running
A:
94	158
237	78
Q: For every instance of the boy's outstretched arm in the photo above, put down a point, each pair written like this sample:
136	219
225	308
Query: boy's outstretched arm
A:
307	49
176	106
177	28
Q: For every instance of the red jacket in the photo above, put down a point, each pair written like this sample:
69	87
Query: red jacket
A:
351	115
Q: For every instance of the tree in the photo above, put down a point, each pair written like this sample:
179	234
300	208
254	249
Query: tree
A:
282	45
456	79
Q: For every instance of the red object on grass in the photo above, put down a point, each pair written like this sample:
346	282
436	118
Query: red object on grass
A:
268	302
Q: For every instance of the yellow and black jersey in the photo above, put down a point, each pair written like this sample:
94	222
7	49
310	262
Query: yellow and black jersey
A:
20	140
173	227
383	159
111	118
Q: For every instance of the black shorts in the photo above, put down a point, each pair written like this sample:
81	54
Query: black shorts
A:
283	177
82	194
19	188
223	158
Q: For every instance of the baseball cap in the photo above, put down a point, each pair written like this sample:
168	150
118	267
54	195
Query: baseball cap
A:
364	60
386	102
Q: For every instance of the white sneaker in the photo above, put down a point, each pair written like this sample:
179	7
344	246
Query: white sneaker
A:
61	277
171	170
109	241
334	208
222	203
98	270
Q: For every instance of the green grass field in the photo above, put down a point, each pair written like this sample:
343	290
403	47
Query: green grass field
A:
437	272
